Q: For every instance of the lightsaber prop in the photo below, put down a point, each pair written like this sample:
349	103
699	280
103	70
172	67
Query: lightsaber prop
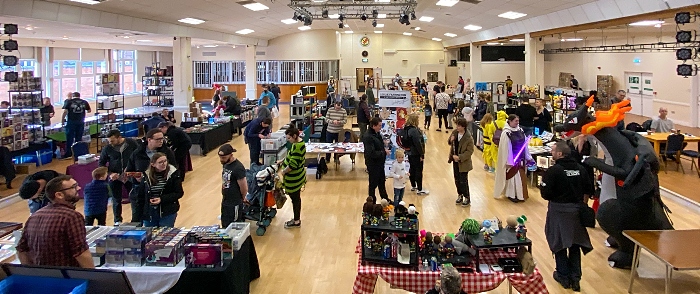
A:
527	142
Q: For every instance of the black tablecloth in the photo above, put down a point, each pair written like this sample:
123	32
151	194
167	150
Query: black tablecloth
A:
212	138
236	125
185	125
33	147
234	277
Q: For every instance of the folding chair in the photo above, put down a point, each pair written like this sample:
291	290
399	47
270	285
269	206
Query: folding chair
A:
693	156
674	146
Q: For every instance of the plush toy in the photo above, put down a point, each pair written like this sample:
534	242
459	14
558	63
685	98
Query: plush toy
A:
512	221
487	231
401	210
367	209
386	209
412	213
521	230
470	226
436	245
427	238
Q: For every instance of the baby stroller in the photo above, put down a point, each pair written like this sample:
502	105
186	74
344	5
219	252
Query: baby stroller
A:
261	185
347	136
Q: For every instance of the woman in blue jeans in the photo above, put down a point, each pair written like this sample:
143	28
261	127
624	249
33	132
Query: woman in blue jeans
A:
163	189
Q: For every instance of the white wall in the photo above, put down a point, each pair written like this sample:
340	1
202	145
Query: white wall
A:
221	53
306	45
673	91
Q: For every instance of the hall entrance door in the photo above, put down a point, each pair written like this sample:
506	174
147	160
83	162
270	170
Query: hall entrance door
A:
640	90
362	75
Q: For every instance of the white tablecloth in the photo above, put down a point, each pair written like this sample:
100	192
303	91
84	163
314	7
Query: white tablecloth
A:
153	279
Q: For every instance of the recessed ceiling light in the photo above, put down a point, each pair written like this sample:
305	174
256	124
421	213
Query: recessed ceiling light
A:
437	39
657	25
91	2
472	27
380	25
304	28
377	32
346	25
289	21
447	3
244	31
255	6
382	1
65	37
381	15
512	15
348	32
492	43
426	18
190	20
407	34
417	28
334	16
451	35
210	46
144	41
29	28
649	23
517	40
126	37
572	40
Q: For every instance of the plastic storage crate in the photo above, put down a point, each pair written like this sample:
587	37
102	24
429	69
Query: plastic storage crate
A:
45	155
17	284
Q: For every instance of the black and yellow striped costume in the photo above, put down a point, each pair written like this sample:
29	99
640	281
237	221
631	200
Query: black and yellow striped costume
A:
295	179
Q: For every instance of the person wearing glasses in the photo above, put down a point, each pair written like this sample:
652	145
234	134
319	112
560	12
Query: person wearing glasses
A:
139	162
162	187
55	235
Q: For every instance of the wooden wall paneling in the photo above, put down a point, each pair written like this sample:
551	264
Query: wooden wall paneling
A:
202	95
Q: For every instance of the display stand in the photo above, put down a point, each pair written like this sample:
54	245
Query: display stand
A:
372	255
158	83
28	103
107	118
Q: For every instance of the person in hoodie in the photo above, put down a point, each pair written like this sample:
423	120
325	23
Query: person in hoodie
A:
512	158
139	162
117	155
97	194
266	93
162	187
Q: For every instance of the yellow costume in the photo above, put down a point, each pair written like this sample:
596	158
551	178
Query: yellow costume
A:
490	153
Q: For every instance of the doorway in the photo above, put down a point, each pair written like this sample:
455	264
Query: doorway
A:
640	90
362	76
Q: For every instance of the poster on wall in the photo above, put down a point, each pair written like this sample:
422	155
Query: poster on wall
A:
647	87
393	110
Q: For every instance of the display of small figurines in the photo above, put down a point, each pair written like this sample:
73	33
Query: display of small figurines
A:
367	209
386	209
399	222
377	212
448	249
521	230
368	242
487	231
392	242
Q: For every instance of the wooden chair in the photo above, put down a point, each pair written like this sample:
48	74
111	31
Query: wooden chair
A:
674	146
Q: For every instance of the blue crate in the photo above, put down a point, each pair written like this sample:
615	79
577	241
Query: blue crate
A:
131	133
45	154
134	125
17	284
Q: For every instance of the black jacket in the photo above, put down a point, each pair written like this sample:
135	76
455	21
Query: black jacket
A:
375	154
118	160
566	182
233	106
417	142
363	114
139	160
169	198
178	139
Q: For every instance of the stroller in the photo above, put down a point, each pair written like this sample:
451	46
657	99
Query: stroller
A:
262	181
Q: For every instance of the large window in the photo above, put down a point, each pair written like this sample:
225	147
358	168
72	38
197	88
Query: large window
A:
208	73
73	75
125	65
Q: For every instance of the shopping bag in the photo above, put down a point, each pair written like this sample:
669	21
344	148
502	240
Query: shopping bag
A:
280	198
275	113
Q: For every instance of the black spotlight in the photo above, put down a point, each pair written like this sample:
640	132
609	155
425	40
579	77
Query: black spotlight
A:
340	25
374	23
341	17
10	29
324	13
413	16
684	36
401	18
10	45
375	13
684	54
11	76
684	70
9	60
295	15
307	21
363	17
682	17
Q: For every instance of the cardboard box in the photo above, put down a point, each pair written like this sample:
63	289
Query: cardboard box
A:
203	255
25	169
133	257
114	258
134	239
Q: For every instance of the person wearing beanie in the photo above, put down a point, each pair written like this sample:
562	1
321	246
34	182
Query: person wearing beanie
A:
32	189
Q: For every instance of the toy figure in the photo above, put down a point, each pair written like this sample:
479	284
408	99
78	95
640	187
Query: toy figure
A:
412	212
521	230
367	210
512	221
487	231
436	246
368	242
376	214
401	210
448	249
426	241
386	209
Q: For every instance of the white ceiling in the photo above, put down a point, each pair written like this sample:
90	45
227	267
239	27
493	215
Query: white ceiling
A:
227	16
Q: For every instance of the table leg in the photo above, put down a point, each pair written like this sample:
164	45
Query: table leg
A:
657	147
669	273
478	269
633	271
510	287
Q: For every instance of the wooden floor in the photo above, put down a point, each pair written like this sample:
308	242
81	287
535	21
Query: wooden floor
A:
319	257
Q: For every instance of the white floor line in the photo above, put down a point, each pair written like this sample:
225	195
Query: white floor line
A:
680	200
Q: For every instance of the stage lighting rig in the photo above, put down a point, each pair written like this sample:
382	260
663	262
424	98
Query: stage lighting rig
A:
685	54
357	9
324	13
374	23
10	29
684	36
340	25
10	60
682	18
11	76
686	70
10	45
363	17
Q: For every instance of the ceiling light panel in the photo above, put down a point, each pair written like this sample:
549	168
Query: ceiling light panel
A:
304	28
451	35
348	32
426	18
244	31
289	21
380	25
91	2
447	3
472	27
192	21
334	16
254	6
492	43
377	32
647	23
417	28
381	15
407	34
512	15
517	40
437	39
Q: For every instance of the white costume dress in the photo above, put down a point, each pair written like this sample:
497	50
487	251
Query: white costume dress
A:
514	186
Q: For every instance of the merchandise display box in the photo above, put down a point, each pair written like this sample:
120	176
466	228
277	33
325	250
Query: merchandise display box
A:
204	255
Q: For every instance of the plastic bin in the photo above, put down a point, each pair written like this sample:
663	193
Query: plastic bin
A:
131	133
17	284
46	157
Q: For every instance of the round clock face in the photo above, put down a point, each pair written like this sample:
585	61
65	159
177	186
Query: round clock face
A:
364	41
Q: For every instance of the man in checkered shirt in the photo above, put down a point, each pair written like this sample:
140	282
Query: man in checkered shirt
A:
55	234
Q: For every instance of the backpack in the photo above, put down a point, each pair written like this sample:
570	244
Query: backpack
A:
403	139
497	134
322	167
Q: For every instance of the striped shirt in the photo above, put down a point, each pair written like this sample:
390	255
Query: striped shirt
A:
295	179
340	115
156	188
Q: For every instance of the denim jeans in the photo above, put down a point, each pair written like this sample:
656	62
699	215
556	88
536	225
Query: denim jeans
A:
398	195
161	221
569	265
74	133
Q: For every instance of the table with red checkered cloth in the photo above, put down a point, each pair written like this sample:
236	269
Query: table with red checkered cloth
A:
420	282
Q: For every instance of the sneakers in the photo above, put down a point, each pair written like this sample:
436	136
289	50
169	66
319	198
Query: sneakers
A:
292	224
466	201
423	192
486	167
439	130
413	189
492	170
576	286
459	199
116	224
562	281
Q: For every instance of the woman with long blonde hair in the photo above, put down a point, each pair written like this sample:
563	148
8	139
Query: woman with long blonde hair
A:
416	152
488	129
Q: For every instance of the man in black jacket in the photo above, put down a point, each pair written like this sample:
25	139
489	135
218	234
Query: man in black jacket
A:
233	106
180	143
117	155
375	155
363	115
566	186
276	91
139	162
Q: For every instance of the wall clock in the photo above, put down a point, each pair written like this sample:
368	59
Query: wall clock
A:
365	53
364	41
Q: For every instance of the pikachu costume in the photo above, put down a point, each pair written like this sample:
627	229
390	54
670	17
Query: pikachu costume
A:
490	153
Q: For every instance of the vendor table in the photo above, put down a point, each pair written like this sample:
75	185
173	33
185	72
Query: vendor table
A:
659	138
420	282
335	148
210	139
82	173
505	238
672	247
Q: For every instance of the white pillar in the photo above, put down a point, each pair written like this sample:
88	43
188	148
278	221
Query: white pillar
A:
475	63
694	101
182	71
534	62
250	72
